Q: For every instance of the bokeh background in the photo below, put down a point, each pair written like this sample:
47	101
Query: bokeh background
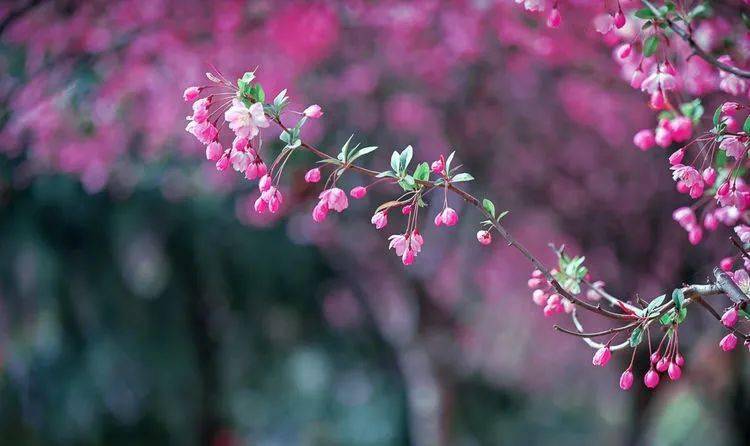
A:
142	302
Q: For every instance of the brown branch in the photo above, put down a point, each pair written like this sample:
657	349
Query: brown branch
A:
596	333
715	314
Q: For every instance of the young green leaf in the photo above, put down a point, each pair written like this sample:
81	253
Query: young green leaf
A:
395	159
489	206
461	177
746	125
650	46
636	337
678	297
422	172
405	158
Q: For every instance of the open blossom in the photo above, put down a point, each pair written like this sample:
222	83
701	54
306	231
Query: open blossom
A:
742	279
314	111
379	219
335	199
244	121
685	217
734	146
687	174
407	246
447	217
214	151
204	131
602	356
658	81
743	232
532	5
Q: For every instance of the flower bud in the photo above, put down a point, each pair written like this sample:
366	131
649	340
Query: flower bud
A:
312	175
728	342
626	380
602	356
729	318
484	237
651	379
358	192
674	371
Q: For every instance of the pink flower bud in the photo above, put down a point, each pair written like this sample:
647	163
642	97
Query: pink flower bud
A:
637	79
214	151
651	379
655	357
408	257
358	192
437	166
710	221
312	175
265	183
191	94
728	342
730	108
682	187
695	235
696	190
662	365
726	264
684	216
682	128
314	111
602	356
624	50
674	371
679	360
380	219
626	380
733	125
548	311
663	137
644	139
406	210
534	283
553	300
709	176
554	19
223	163
539	297
260	205
320	212
448	217
484	237
619	19
676	157
657	100
723	189
729	318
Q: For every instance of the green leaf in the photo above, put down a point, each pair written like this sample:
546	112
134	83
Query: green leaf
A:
448	161
645	13
405	158
650	46
344	153
489	206
362	152
422	172
678	297
502	214
692	110
717	115
636	336
395	158
461	177
385	174
700	11
744	314
746	125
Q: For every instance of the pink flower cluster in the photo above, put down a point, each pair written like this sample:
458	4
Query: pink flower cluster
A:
545	295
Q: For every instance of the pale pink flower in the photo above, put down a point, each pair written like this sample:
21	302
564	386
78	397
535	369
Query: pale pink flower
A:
709	176
659	81
684	216
214	151
742	279
604	23
687	174
637	79
335	199
260	205
240	160
204	131
695	235
314	111
743	232
532	5
222	163
623	51
379	219
273	197
244	121
312	175
730	108
734	146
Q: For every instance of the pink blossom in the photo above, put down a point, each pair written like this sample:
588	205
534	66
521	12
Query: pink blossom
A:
223	163
619	19
624	50
676	157
204	131
532	5
734	146
255	169
726	264
244	121
539	297
662	365
730	108
637	79
728	342
729	318
684	216
484	237
446	217
644	139
657	101
659	81
710	221
320	212
687	174
260	205
406	210
335	199
626	380
602	356
358	192
603	23
438	166
273	197
554	19
214	151
265	183
312	175
380	219
695	235
240	160
743	232
679	360
191	93
651	379
674	371
314	111
682	128
696	190
663	137
709	176
407	246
